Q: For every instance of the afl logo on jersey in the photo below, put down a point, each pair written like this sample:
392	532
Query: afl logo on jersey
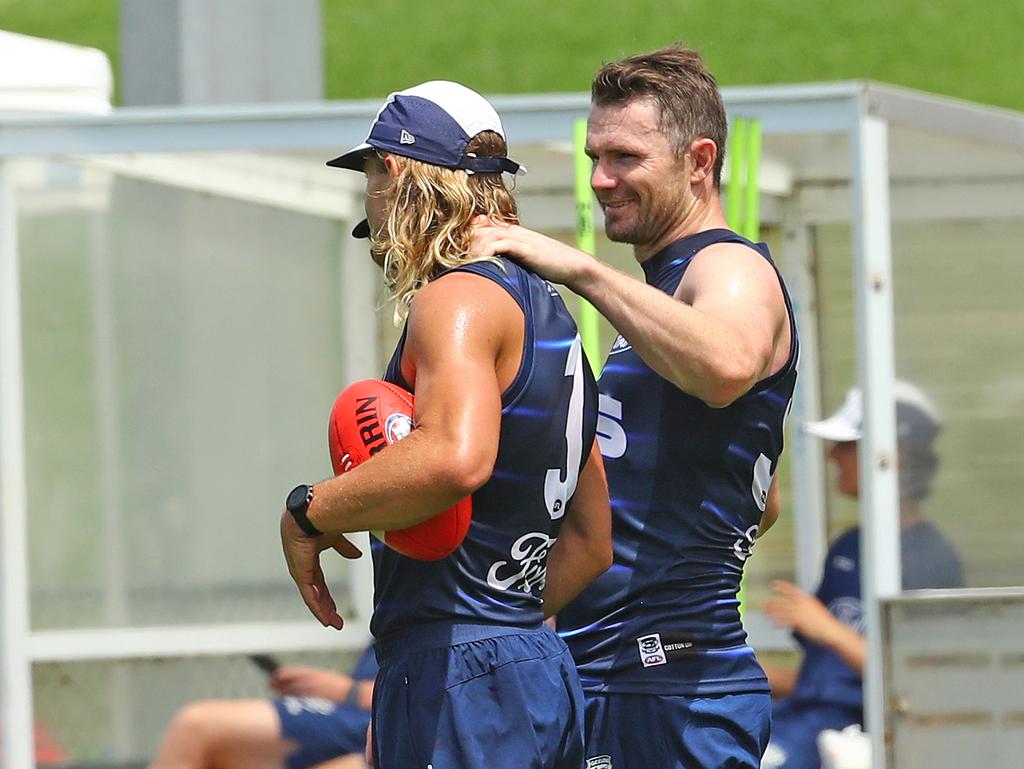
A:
619	345
651	650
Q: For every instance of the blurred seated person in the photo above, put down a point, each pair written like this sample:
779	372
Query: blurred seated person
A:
825	691
318	720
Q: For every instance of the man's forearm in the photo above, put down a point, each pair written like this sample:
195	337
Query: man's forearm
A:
848	644
691	349
399	487
571	567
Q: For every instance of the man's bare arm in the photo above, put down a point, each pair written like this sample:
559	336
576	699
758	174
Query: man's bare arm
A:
457	330
718	336
809	617
455	333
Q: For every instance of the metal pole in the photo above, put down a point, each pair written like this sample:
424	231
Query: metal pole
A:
810	525
108	450
15	660
879	503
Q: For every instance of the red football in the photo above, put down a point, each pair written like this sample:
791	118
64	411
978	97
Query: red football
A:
368	416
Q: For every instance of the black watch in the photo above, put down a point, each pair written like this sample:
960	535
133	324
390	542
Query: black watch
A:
298	505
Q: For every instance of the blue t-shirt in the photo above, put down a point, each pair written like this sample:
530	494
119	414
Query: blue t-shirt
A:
548	421
688	485
928	561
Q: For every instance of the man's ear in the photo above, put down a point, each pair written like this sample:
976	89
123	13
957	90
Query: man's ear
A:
704	153
391	163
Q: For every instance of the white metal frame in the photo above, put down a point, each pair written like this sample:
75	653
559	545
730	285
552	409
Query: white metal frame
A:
879	500
15	645
859	111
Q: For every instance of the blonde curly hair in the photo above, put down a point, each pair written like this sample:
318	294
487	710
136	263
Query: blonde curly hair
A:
428	215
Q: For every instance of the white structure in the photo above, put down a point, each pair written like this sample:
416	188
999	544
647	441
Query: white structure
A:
38	75
173	261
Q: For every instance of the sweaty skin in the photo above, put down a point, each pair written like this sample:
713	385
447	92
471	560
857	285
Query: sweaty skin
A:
463	350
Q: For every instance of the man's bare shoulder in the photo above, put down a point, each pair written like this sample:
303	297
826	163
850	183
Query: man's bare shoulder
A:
460	288
733	268
464	321
462	298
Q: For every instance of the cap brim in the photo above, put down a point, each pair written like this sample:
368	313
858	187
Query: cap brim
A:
361	230
354	159
833	429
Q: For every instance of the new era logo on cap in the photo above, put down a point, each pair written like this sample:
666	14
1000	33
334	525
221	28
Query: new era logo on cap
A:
432	122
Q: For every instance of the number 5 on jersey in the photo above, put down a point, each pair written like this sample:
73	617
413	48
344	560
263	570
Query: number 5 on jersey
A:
610	435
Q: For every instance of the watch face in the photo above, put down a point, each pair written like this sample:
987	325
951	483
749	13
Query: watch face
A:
297	498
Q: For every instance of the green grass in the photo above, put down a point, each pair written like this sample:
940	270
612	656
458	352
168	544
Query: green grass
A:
543	46
540	46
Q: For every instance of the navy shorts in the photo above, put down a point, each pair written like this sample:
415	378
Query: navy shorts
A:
654	731
477	697
795	729
322	729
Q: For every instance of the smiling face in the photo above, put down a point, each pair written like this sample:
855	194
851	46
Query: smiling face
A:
640	182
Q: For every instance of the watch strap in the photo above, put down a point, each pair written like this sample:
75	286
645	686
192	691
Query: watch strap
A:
300	507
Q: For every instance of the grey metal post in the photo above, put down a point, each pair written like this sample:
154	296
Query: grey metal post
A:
879	503
108	450
220	51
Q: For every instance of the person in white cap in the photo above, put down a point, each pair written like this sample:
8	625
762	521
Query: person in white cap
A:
506	411
825	691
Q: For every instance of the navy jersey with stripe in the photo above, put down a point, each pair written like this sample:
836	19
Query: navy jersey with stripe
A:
548	422
688	485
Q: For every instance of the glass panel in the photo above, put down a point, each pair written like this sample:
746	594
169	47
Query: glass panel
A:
182	350
833	250
958	221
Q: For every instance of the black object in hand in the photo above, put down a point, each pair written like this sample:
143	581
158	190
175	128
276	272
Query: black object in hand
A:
265	662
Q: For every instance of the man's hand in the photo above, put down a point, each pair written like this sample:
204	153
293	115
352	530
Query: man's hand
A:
302	554
802	612
549	258
811	618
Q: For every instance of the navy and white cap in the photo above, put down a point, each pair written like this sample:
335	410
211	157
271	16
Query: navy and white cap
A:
432	122
917	419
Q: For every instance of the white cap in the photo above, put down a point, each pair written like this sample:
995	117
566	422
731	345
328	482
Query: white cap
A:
917	419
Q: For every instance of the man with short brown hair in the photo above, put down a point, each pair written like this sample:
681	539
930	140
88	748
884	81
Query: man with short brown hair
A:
692	402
